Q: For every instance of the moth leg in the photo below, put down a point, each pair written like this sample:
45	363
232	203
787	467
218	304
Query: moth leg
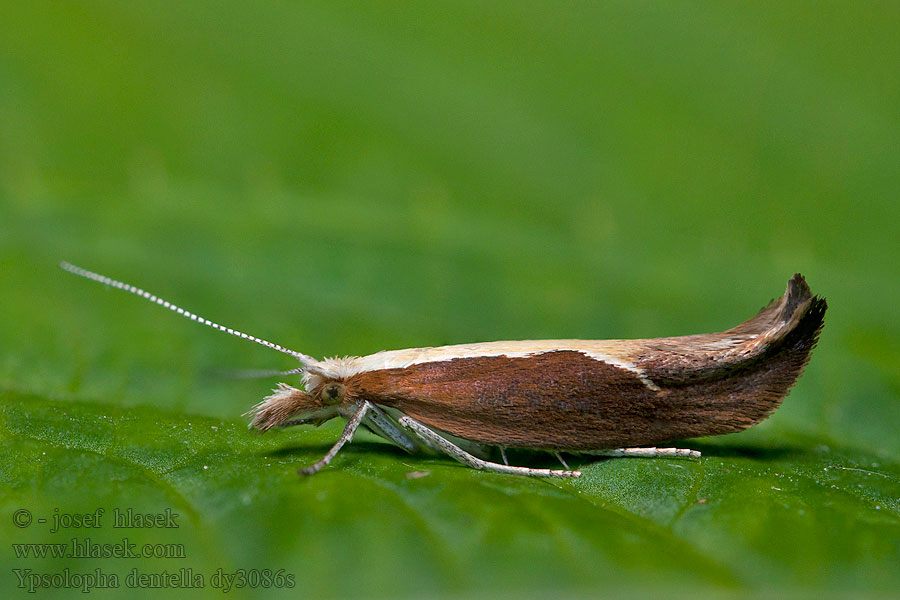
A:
383	426
464	457
648	452
346	436
302	421
419	441
431	445
561	459
503	455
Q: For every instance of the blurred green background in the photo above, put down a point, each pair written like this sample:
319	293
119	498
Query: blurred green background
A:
346	177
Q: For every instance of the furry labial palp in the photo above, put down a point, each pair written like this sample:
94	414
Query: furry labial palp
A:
602	397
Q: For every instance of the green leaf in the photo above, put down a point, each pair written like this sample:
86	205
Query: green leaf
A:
804	514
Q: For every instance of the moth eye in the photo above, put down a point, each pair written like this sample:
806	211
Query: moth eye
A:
332	393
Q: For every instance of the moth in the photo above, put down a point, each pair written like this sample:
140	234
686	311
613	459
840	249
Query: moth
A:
605	397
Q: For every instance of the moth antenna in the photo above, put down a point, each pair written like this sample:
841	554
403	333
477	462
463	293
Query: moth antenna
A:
255	373
307	361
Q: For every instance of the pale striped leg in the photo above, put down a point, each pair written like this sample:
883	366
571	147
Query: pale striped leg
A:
648	452
305	421
464	457
382	425
346	436
561	459
503	455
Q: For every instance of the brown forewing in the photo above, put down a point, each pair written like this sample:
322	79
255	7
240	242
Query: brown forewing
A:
562	400
707	385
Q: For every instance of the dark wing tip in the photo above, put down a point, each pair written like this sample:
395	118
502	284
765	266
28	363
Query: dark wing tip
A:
796	299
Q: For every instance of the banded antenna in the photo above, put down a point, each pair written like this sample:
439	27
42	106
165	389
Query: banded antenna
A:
305	360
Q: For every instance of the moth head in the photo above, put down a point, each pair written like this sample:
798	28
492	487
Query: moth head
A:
289	405
332	393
